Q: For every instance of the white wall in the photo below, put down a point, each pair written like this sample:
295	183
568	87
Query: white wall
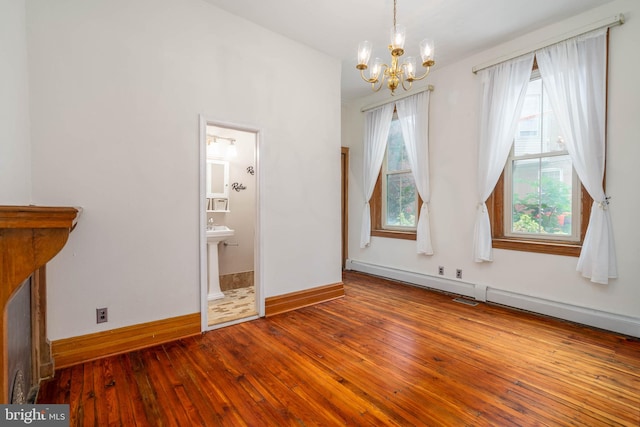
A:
116	89
15	150
453	139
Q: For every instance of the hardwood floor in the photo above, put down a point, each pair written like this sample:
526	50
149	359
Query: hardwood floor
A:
385	354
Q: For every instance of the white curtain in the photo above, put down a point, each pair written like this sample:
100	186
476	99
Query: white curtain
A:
574	74
503	91
413	114
376	131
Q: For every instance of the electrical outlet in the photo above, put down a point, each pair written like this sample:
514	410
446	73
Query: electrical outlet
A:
458	274
101	315
441	270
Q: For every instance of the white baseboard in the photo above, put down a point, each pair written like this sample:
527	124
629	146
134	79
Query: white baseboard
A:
586	316
426	281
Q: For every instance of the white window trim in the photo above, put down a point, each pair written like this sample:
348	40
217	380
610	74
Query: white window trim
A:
508	204
386	173
508	196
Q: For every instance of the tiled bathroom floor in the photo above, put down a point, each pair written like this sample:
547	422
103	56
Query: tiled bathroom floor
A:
236	304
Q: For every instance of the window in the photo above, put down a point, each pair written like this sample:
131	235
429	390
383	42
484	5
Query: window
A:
395	202
539	204
541	187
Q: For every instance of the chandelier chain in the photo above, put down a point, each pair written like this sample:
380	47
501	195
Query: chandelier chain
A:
394	14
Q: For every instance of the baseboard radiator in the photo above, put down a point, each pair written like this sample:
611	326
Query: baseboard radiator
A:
599	319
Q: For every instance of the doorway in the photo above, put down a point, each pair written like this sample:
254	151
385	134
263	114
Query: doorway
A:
229	212
344	202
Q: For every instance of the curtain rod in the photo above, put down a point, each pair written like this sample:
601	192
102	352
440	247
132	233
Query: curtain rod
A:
603	23
378	104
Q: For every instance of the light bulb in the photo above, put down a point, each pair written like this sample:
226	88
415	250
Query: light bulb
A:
232	150
427	50
410	67
375	69
364	52
398	34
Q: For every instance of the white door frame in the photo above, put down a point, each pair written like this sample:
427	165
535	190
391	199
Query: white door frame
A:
257	254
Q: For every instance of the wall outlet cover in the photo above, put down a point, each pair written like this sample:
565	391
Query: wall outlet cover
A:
101	315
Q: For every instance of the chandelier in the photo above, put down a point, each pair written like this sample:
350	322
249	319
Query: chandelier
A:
396	74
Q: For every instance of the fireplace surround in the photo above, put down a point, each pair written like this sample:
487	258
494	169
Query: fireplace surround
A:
30	236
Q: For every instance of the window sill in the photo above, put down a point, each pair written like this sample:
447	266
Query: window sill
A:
539	246
406	235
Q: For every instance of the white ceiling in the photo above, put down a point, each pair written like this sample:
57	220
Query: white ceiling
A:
458	27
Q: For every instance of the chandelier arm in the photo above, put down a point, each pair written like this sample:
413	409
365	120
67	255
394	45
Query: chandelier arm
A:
426	73
384	73
381	80
366	79
410	84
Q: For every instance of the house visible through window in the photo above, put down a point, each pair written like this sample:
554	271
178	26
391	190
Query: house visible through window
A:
395	202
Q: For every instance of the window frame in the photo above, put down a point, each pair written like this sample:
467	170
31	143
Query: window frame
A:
495	208
576	196
576	200
376	216
377	205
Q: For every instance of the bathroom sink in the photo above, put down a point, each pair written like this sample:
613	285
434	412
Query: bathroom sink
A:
218	233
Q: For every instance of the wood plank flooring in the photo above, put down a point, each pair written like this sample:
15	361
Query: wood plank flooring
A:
385	354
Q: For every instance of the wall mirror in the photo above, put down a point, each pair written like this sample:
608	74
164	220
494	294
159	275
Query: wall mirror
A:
217	179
